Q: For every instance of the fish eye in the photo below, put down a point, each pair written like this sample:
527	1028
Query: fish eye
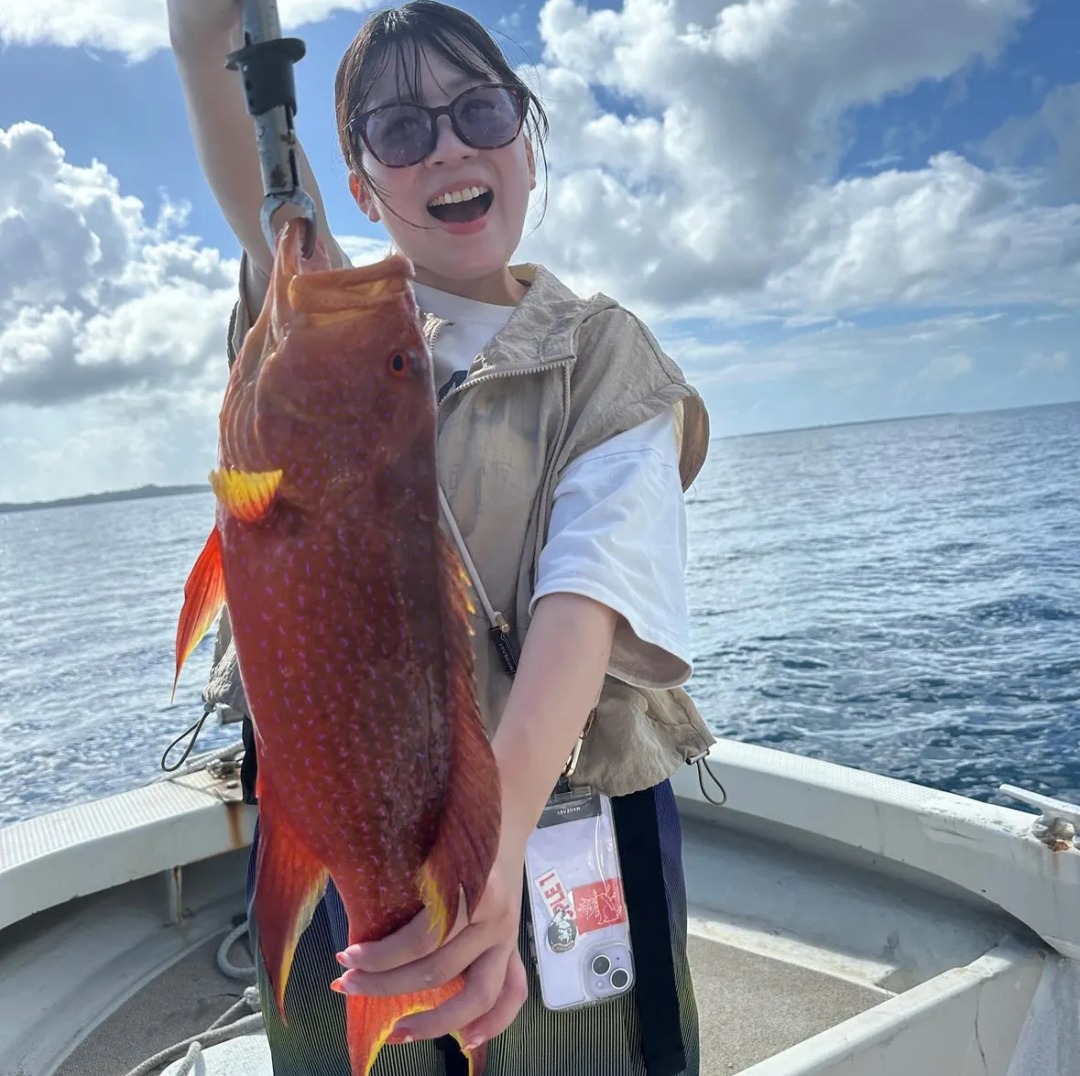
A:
398	364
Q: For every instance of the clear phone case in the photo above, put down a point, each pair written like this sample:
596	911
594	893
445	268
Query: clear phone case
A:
580	933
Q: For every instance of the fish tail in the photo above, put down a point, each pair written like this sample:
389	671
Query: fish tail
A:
289	883
370	1021
468	835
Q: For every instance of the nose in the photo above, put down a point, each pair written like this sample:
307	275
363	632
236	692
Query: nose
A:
448	147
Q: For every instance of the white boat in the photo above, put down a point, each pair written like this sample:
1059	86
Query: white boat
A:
842	923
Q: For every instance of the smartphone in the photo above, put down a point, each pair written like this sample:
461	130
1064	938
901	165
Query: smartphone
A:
580	933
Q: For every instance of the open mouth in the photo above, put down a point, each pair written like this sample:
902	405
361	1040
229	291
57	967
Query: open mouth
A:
462	206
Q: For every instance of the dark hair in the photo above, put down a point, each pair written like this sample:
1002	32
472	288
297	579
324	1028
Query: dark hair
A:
401	34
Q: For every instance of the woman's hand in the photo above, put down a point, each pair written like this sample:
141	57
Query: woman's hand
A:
484	950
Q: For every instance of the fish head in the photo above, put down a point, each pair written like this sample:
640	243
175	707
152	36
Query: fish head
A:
344	399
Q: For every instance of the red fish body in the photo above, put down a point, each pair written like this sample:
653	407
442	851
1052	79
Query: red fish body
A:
350	618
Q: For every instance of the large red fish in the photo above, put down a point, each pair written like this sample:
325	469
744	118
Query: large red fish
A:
350	616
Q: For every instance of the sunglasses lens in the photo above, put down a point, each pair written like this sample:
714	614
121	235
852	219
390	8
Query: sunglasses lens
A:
485	118
488	116
399	135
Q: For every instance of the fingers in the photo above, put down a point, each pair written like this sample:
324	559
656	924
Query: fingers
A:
493	993
416	939
412	941
434	969
504	1012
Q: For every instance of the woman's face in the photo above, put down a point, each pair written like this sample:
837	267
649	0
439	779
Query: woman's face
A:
454	255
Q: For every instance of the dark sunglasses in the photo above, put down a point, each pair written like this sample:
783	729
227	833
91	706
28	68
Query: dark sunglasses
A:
401	134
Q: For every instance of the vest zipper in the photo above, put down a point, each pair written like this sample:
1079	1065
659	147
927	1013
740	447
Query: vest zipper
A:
481	378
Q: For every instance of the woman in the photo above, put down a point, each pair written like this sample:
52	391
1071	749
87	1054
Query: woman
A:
566	439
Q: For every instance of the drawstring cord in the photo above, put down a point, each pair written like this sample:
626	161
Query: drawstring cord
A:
196	728
703	767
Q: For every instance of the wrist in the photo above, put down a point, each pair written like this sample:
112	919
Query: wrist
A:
525	791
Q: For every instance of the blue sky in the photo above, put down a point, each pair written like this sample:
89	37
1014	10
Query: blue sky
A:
826	212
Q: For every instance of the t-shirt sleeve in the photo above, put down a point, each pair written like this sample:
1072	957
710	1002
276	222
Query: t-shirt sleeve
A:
618	535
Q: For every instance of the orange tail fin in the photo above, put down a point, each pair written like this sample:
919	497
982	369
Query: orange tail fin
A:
289	883
204	595
370	1020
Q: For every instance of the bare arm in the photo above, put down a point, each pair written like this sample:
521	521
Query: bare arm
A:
224	136
563	661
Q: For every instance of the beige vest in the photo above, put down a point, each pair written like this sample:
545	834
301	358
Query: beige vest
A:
562	376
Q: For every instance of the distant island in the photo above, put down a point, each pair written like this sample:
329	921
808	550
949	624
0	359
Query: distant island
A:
99	498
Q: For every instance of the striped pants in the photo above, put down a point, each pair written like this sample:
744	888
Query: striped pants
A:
650	1031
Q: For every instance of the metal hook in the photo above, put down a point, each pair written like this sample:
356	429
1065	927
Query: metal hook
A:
302	201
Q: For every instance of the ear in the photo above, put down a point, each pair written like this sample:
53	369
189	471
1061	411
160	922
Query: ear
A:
363	197
531	158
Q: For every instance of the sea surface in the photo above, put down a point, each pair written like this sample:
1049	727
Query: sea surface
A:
903	597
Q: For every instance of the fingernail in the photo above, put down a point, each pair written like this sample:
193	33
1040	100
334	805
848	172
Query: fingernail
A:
338	986
398	1039
475	1044
342	960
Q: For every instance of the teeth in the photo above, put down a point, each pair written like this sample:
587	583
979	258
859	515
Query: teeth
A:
465	195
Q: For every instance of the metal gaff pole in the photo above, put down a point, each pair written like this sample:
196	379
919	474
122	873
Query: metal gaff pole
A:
266	67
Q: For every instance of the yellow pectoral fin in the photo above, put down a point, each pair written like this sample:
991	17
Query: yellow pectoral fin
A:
204	595
245	495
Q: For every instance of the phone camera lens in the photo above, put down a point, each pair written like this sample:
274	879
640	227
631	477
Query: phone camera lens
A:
620	979
600	965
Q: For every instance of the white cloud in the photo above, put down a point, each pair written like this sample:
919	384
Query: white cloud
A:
112	326
1057	124
947	367
714	188
136	28
92	295
1040	363
362	249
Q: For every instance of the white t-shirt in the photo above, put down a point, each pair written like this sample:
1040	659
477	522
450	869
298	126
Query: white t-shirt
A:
618	523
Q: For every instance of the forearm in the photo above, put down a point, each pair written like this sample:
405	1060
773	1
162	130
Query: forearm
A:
563	661
223	133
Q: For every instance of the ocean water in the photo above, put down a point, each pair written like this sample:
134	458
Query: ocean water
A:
903	597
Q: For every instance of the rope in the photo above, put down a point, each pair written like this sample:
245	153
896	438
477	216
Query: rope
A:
195	728
200	762
233	971
190	1048
220	1030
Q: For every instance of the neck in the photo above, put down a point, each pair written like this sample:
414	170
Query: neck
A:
499	289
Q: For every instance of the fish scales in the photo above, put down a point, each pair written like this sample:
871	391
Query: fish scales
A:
351	623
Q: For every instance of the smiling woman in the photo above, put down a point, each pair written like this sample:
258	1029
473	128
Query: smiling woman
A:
566	440
395	83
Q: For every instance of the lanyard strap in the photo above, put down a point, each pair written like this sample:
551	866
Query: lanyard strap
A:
500	629
500	626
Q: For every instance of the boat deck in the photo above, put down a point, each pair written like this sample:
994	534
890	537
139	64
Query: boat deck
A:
792	934
751	1007
760	988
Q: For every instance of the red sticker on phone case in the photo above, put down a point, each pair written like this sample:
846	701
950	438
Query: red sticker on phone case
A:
598	904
